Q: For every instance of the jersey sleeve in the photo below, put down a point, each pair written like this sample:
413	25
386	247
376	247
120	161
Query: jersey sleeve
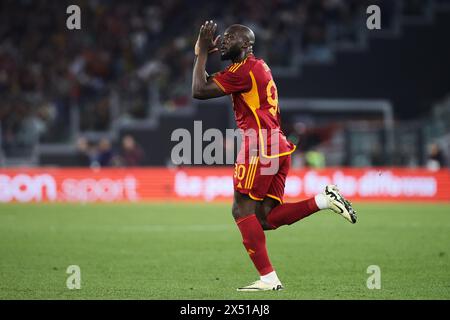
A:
233	82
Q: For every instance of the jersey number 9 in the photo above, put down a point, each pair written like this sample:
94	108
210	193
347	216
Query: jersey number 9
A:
272	97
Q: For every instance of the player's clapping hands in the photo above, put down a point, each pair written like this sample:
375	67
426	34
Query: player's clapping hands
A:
206	39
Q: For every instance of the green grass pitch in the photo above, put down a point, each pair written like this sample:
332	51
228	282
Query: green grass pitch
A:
194	251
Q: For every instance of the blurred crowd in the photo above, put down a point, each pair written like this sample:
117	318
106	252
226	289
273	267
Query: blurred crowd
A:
130	55
436	158
103	153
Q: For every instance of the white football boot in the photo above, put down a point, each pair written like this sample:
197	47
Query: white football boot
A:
260	285
339	204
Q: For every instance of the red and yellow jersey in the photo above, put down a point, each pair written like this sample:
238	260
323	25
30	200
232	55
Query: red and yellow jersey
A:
255	103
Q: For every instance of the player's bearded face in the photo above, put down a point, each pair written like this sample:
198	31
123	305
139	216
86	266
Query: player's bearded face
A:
229	49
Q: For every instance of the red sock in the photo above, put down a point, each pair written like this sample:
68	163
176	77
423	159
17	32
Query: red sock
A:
254	241
289	213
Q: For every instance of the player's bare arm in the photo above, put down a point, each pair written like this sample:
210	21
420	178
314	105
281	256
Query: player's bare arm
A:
203	87
212	49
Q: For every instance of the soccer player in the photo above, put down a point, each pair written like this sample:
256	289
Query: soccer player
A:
258	196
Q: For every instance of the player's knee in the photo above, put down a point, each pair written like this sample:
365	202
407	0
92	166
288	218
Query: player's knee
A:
235	211
266	226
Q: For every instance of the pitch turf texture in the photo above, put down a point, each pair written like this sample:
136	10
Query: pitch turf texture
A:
194	251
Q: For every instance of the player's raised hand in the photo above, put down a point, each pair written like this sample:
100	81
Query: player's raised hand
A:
215	44
206	39
212	49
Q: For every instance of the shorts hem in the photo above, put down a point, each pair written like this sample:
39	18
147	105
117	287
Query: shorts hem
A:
255	198
275	197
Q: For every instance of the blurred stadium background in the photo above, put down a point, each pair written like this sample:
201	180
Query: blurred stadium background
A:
87	115
362	97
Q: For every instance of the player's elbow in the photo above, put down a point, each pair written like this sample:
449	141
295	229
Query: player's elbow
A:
198	94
